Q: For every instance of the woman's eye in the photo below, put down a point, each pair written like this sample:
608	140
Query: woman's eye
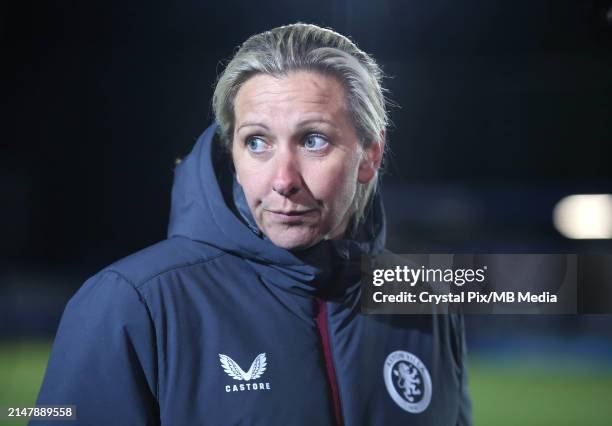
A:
315	142
256	145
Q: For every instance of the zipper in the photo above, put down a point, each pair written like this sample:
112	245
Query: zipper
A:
322	327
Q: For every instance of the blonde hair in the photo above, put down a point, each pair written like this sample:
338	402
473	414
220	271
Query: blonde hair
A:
307	47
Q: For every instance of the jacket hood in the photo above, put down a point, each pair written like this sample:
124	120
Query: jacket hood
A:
209	207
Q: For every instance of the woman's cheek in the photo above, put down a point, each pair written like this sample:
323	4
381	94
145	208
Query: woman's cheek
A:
339	189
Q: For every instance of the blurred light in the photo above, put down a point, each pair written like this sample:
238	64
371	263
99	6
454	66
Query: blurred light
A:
584	216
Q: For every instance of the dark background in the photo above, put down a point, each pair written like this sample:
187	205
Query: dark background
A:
504	107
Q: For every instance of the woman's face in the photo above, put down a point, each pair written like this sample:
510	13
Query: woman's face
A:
297	157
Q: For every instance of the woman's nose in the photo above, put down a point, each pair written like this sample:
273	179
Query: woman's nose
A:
287	177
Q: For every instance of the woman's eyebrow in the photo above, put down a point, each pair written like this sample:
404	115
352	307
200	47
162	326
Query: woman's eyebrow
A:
253	124
310	121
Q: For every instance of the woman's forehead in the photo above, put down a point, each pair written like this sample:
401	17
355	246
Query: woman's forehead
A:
301	87
307	97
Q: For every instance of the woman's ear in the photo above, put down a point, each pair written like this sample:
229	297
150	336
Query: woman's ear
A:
371	159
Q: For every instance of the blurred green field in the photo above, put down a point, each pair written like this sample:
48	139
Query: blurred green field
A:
22	366
502	393
551	393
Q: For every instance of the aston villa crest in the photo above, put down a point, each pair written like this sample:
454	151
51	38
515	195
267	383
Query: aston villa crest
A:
408	381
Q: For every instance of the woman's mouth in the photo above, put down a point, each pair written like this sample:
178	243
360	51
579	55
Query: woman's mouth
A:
292	216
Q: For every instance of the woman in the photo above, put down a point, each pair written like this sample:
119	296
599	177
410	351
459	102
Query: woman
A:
249	312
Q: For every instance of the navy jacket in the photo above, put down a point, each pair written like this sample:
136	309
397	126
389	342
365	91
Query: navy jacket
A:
218	326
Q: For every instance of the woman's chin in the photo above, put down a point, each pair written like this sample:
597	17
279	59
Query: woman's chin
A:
294	237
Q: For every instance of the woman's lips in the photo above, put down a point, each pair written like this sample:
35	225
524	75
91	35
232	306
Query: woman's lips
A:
292	215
